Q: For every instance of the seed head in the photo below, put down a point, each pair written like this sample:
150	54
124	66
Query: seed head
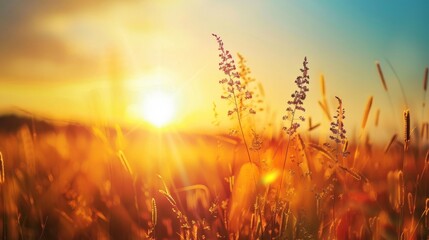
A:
407	133
298	97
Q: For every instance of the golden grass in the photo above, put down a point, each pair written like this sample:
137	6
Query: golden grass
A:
425	79
203	205
154	212
124	162
377	117
366	112
300	184
324	103
325	110
2	172
322	86
389	145
407	129
381	75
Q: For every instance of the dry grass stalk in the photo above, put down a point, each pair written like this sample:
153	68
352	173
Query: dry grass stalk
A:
215	120
407	130
427	131
411	205
427	158
185	224
324	102
395	180
345	146
311	127
329	156
29	155
404	96
2	173
64	216
120	138
374	226
354	174
261	89
125	162
424	131
252	221
166	192
169	198
392	140
425	80
323	151
322	86
314	127
401	188
377	117
380	73
366	113
101	216
305	165
325	110
154	213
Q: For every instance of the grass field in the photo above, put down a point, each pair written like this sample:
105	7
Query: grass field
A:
305	181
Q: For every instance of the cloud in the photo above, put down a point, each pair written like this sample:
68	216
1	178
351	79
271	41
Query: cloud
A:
53	40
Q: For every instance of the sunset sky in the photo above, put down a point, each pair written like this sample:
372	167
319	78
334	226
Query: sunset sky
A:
61	58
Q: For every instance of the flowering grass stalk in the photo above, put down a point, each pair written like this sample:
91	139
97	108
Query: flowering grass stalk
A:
339	132
236	91
294	106
340	150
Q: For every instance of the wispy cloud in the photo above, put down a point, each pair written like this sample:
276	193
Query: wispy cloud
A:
53	40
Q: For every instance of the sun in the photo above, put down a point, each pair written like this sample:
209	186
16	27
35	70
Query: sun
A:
157	107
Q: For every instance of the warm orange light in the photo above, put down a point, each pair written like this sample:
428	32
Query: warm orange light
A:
270	177
157	107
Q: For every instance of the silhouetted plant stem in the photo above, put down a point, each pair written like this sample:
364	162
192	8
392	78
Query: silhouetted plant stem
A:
399	81
285	158
241	130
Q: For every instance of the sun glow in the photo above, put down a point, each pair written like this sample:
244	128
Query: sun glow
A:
158	108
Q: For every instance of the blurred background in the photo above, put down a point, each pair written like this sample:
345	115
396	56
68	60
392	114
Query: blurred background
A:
100	60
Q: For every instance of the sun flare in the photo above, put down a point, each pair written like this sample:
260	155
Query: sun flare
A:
158	108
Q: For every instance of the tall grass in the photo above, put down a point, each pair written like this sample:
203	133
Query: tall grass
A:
75	181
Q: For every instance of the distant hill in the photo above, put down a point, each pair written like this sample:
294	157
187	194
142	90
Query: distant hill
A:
10	123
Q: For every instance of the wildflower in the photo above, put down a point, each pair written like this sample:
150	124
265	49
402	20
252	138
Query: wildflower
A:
248	95
337	127
256	142
236	83
227	65
296	104
298	97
